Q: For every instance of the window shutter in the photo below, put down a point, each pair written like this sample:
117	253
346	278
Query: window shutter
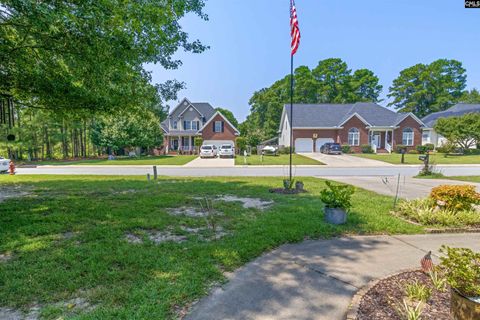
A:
213	123
198	125
223	127
184	124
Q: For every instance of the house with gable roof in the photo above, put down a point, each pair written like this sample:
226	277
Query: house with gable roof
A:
196	119
353	124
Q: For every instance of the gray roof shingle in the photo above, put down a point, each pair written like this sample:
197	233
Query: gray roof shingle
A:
457	110
333	115
204	108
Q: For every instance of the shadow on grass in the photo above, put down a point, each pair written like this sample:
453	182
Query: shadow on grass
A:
123	276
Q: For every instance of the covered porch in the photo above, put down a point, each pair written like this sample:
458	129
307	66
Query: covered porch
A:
381	139
181	143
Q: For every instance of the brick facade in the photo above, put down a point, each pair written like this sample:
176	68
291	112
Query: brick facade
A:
341	135
408	122
227	134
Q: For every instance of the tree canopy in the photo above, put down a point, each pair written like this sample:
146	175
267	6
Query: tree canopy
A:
463	131
426	88
472	96
331	81
90	54
229	115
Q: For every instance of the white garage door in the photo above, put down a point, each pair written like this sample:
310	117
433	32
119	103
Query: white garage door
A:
218	143
320	142
304	145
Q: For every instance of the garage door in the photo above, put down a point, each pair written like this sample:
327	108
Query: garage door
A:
303	145
320	142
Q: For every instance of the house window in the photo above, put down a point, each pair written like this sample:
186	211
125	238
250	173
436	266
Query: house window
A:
407	137
217	126
187	125
194	125
354	137
174	124
426	137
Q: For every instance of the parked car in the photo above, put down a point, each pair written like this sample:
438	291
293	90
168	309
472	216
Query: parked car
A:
331	148
270	150
4	164
208	151
226	150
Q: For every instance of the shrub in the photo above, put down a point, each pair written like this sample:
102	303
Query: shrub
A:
337	196
422	149
455	197
461	269
446	148
472	151
429	146
418	292
400	147
284	150
346	148
241	143
413	152
366	148
424	212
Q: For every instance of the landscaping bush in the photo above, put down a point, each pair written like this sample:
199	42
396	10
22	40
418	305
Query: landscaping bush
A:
455	197
461	269
426	213
284	150
400	147
241	143
413	152
429	146
346	148
446	148
337	196
366	148
471	151
422	149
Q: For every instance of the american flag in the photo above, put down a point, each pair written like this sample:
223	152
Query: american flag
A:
427	263
294	29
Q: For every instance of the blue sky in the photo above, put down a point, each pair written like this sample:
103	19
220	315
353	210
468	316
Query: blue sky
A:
249	43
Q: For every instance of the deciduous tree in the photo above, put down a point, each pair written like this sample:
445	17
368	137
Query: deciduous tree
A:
463	131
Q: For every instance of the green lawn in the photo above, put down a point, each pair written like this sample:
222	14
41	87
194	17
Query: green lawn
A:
282	159
438	158
66	239
120	161
461	178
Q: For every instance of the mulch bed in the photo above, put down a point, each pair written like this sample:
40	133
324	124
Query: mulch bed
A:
379	302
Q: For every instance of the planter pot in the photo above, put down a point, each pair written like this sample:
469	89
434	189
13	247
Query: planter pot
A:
462	308
299	186
335	215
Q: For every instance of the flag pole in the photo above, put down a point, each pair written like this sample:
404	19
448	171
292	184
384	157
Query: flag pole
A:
291	116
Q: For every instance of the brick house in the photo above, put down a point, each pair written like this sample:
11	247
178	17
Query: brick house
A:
354	124
199	119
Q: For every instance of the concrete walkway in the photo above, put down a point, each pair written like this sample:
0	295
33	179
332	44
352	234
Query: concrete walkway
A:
346	161
317	279
409	187
210	163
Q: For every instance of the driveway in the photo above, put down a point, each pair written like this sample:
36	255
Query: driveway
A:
345	160
210	163
408	188
317	279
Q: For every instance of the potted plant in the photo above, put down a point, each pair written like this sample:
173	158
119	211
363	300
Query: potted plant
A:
337	200
461	267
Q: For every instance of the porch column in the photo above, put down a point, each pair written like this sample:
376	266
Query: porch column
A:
179	143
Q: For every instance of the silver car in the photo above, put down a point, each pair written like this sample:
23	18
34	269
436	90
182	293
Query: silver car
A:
4	164
208	151
226	150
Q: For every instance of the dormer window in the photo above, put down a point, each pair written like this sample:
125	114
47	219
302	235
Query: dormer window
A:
175	125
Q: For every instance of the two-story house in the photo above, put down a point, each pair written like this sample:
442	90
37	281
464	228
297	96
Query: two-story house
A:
198	119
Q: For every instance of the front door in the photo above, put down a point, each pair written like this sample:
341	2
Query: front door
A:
175	144
376	140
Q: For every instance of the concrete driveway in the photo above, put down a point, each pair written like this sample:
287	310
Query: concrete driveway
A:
345	160
409	187
317	279
211	163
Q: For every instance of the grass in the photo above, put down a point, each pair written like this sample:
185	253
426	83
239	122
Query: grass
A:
437	158
281	159
149	281
120	161
461	178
